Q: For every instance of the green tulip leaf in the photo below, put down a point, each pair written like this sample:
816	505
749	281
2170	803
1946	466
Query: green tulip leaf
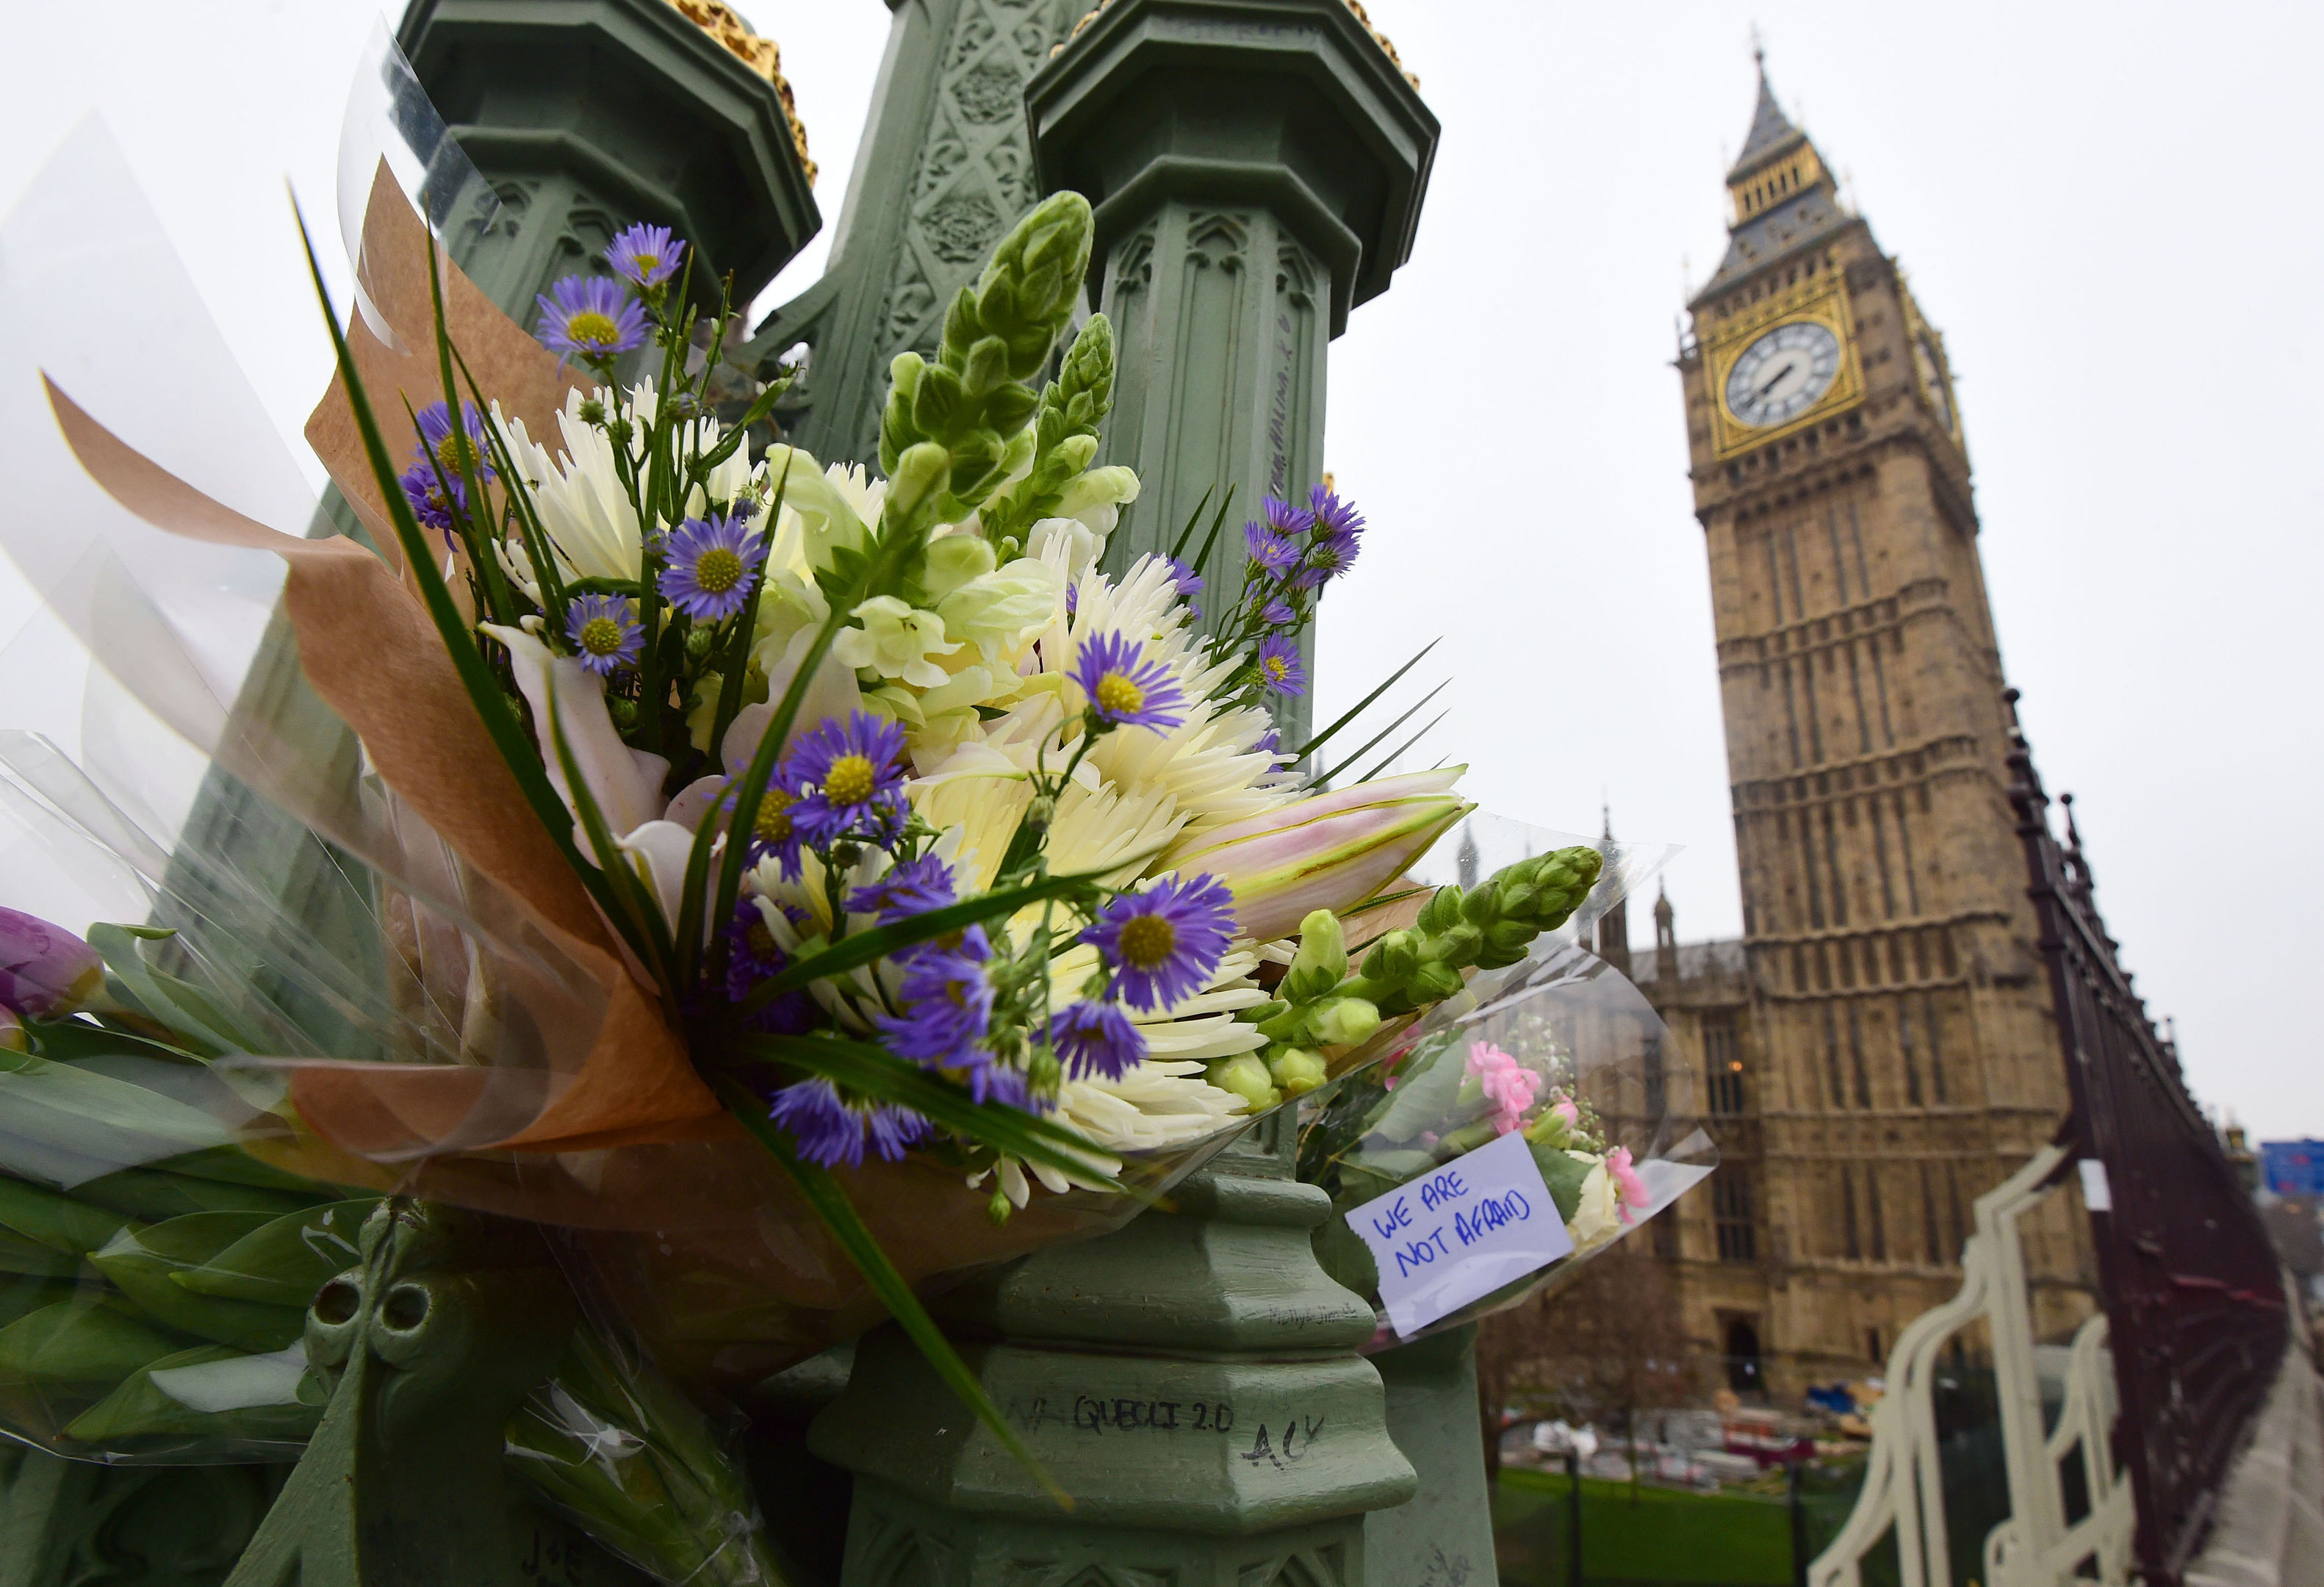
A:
84	1338
283	1263
154	1401
143	1261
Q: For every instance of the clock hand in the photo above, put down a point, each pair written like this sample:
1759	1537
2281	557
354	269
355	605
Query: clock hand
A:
1776	380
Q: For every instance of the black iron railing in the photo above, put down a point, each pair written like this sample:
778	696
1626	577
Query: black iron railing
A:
2195	1306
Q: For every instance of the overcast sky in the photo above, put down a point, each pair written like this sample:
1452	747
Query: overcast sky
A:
2109	210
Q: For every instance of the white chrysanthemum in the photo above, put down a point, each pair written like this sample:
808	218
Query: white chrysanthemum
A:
1156	1104
1211	762
592	526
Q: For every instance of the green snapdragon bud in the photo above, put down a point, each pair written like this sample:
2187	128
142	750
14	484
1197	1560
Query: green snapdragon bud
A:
1340	1020
1322	948
1247	1078
1295	1071
1027	292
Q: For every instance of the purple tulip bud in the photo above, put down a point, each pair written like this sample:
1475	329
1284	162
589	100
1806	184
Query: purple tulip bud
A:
45	971
13	1038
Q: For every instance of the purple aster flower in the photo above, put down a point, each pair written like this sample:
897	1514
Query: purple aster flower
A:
1073	599
753	955
1188	584
1278	554
831	1130
1334	518
773	830
1278	612
997	1083
1124	689
589	316
1333	551
711	563
646	254
1279	671
912	886
1166	943
433	497
1285	519
850	777
948	1004
435	422
605	631
1269	743
1097	1039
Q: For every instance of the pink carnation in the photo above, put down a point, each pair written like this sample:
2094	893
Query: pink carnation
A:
1627	1180
1509	1085
1564	1109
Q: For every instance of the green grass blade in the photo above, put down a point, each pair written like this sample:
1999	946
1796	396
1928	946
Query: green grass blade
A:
1178	548
499	720
830	1202
866	946
1408	714
1389	760
489	576
642	910
1218	521
1360	707
876	1072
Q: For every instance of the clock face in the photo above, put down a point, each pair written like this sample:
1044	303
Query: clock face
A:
1783	375
1932	380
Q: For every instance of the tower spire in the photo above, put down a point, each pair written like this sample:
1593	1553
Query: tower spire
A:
1770	127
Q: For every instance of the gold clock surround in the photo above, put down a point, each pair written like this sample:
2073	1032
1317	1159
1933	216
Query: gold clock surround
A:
1821	300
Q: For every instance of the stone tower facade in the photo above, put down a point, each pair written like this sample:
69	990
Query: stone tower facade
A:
1879	1049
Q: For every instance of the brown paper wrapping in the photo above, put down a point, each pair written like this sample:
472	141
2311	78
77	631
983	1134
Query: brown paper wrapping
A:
693	1228
370	651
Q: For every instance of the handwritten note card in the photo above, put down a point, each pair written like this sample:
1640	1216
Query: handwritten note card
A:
1461	1231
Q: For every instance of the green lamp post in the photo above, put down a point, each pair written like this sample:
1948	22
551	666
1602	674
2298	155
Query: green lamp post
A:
1257	168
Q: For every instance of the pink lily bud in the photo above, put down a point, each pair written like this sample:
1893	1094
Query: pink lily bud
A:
1330	850
45	971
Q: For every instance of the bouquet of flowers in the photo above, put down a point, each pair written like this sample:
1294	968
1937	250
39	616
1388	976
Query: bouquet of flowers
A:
785	885
791	884
1553	1049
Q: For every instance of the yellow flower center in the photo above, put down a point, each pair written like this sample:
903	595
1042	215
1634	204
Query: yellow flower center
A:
647	264
601	636
763	946
447	453
773	824
1276	667
1147	941
593	328
850	780
718	570
1118	697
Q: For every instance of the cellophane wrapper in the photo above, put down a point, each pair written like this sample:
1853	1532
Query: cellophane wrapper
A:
1600	1094
345	1002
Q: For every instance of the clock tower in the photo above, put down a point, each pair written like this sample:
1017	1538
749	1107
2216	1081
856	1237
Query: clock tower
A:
1890	1055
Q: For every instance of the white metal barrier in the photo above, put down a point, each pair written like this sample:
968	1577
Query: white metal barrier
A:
1903	1484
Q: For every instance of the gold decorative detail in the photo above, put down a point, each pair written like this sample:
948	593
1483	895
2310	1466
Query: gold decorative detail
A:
1356	6
1769	184
1820	300
720	21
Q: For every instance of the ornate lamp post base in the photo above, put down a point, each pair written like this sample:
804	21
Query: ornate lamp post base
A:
1188	1378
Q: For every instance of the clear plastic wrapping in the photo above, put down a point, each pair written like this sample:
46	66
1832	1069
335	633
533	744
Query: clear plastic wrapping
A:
1560	1051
